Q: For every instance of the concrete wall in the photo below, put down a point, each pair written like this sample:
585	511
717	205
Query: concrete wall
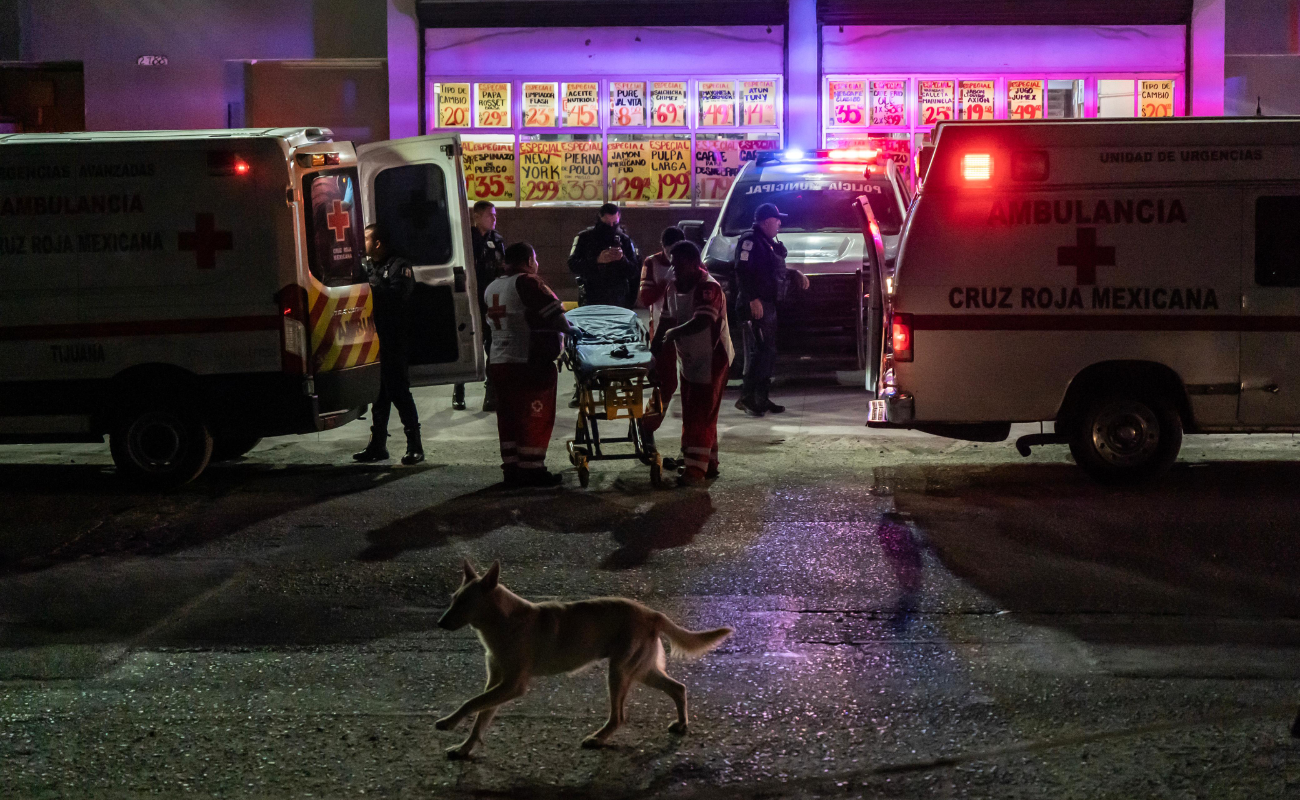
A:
198	37
551	230
1262	57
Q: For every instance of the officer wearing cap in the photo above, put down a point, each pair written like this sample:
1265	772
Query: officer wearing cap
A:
763	280
605	262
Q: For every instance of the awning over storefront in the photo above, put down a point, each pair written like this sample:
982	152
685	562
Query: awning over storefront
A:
597	13
1004	12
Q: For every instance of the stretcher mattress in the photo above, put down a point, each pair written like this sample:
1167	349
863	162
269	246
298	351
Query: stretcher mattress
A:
608	337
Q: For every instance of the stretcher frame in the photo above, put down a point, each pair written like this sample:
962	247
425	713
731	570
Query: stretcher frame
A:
608	395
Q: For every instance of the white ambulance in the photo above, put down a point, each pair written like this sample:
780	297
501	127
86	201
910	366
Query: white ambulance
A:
187	292
1127	280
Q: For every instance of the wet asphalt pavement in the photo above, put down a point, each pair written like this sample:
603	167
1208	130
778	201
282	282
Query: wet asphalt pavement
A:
914	617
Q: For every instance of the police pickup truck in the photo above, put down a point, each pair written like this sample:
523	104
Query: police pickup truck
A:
1128	281
821	328
187	292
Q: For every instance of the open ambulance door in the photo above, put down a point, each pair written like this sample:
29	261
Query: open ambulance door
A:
871	338
416	187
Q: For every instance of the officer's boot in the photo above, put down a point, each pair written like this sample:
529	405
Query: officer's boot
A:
458	397
414	447
489	396
376	450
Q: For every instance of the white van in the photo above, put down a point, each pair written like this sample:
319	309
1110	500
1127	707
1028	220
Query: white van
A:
187	292
821	328
1128	280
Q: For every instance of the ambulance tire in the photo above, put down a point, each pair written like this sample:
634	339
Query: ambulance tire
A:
1121	438
160	446
229	446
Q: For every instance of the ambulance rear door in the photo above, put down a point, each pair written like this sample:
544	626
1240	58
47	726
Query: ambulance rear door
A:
1270	282
872	287
416	187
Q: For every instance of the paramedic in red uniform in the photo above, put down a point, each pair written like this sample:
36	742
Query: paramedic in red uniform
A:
695	323
654	285
528	324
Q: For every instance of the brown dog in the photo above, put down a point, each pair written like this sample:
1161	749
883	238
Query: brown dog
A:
524	639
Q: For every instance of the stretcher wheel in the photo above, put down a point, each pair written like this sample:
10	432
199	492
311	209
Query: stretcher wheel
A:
657	473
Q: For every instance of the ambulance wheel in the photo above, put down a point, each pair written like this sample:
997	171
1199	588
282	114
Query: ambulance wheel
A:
230	446
1126	439
160	447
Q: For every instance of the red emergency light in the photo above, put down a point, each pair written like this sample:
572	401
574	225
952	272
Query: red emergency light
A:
900	334
241	166
977	166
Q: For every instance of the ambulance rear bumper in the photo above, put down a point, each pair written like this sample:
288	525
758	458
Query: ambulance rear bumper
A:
893	409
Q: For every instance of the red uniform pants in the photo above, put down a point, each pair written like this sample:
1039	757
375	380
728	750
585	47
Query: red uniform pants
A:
700	403
525	412
666	378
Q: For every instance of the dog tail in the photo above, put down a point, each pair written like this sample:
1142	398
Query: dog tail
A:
691	643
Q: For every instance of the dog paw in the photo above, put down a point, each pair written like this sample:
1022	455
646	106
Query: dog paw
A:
592	743
445	724
458	753
678	728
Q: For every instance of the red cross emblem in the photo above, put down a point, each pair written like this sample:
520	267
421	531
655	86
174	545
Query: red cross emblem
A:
205	240
496	312
338	221
1085	256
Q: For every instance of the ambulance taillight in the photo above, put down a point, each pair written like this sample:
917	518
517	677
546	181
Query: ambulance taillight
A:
293	330
900	336
318	159
977	167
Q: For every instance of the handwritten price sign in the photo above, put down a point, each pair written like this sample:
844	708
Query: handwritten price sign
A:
668	104
888	102
670	164
630	177
1024	99
493	105
626	104
848	102
717	103
453	104
977	100
541	105
1157	98
563	171
581	105
934	101
758	103
489	170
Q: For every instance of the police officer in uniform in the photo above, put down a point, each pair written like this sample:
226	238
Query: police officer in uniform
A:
605	261
391	283
489	249
763	280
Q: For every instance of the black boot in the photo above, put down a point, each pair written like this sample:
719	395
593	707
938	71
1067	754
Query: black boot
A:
458	397
375	451
489	397
414	447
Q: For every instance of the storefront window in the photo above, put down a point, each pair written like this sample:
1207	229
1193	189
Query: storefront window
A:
489	162
1065	99
1115	98
649	169
561	169
638	139
492	105
719	158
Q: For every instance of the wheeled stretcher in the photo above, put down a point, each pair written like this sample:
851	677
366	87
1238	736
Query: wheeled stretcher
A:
612	365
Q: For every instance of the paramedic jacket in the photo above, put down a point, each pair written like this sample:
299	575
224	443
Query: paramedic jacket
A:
391	285
761	272
612	284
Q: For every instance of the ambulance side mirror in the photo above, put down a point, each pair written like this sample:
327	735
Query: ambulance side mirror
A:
694	230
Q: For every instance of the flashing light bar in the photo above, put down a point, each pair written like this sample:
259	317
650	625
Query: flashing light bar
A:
794	156
318	159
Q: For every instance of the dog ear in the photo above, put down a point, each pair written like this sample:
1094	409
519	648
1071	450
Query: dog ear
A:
490	577
470	574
